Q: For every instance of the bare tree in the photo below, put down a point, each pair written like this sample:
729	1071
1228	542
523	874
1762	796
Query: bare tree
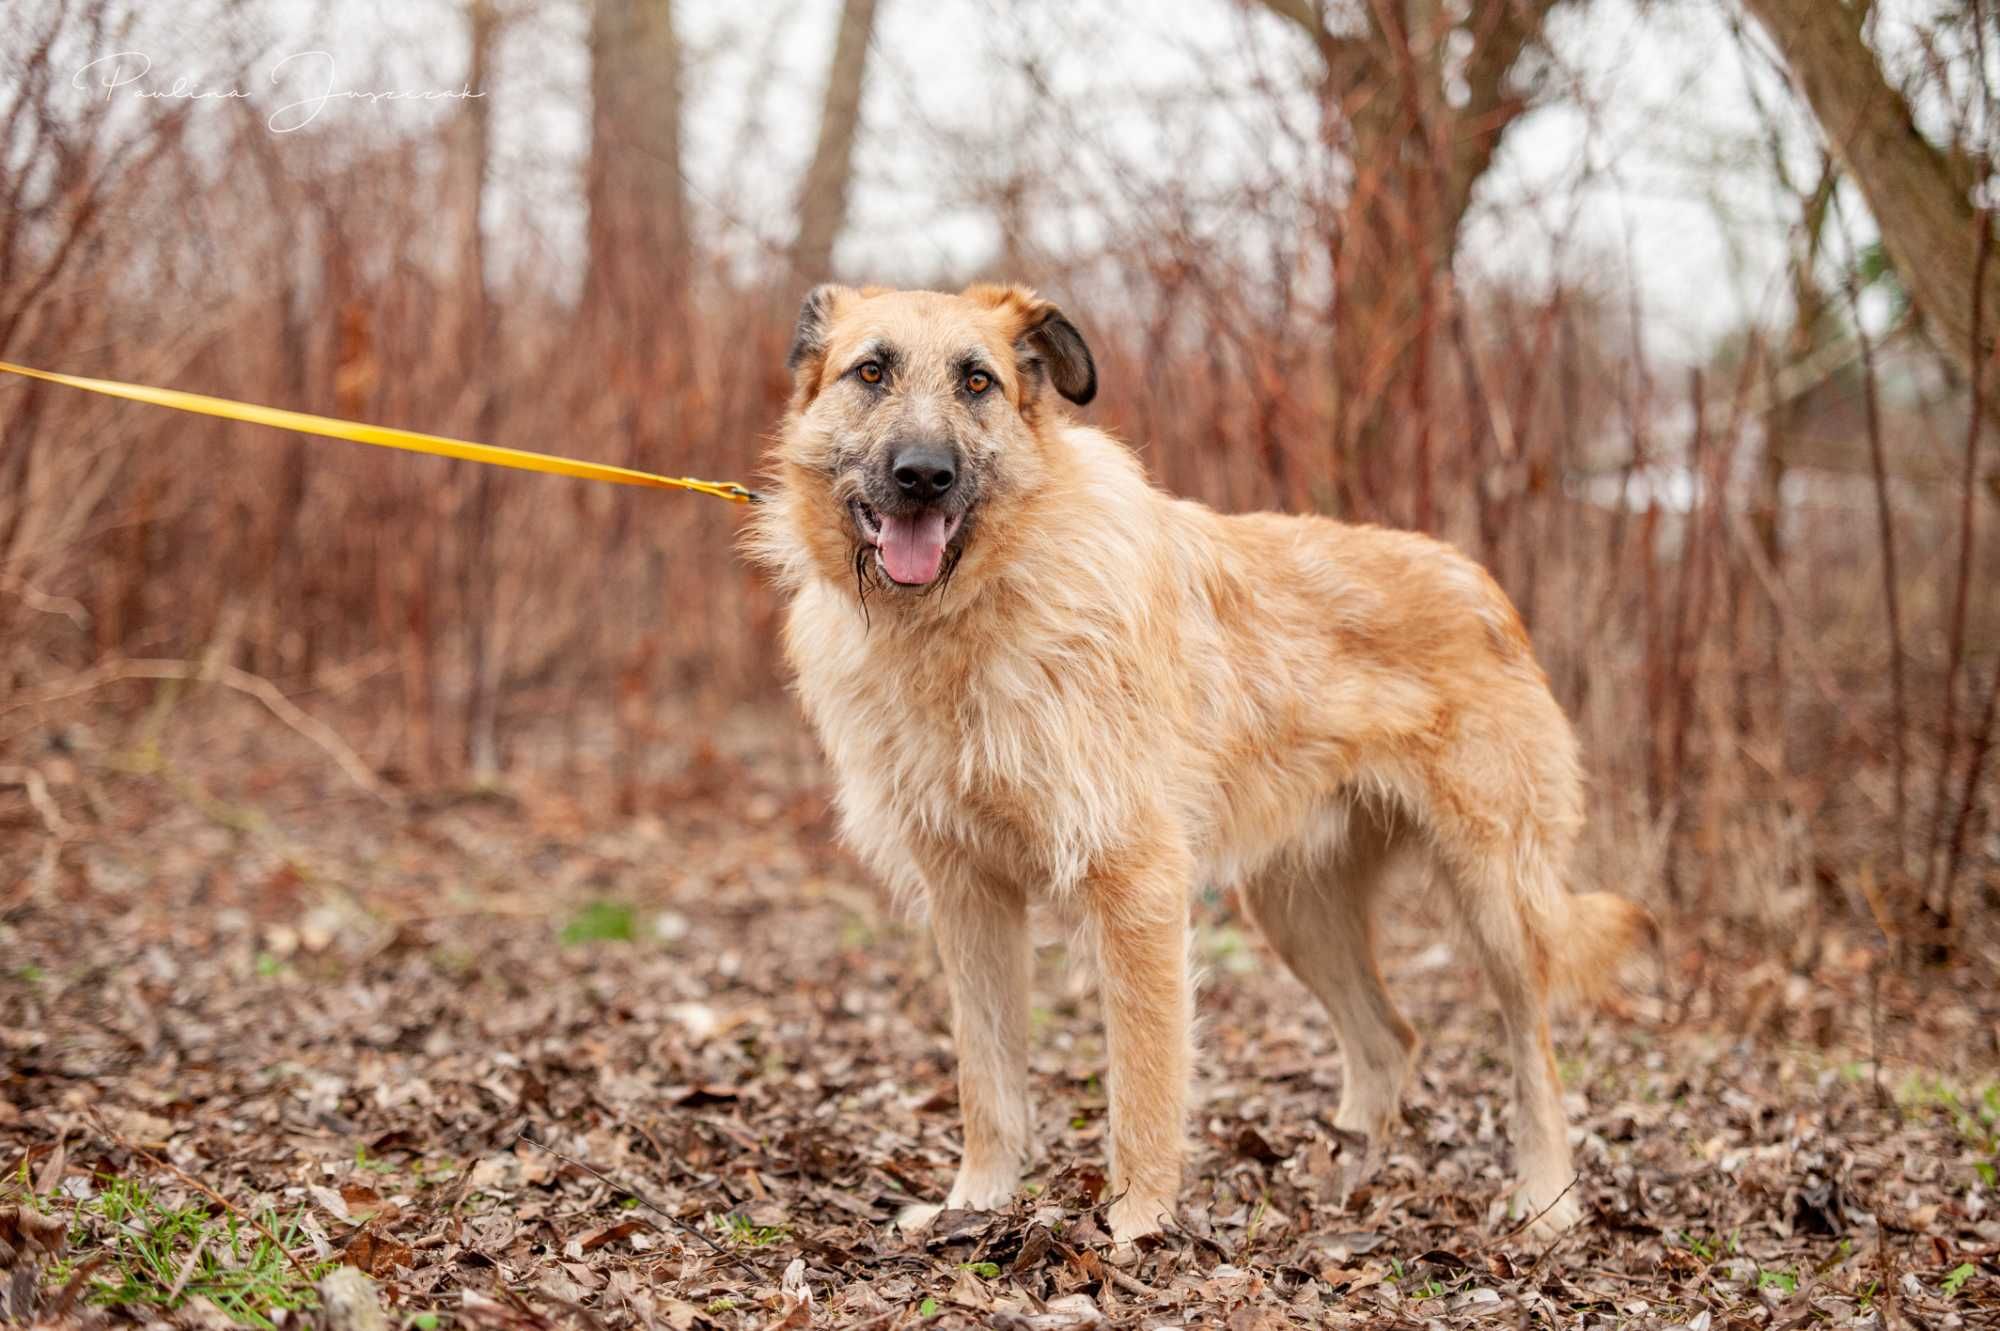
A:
1418	131
1939	239
1919	193
823	194
479	336
633	184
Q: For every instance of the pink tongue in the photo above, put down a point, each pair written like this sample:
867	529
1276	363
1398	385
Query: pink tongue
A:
913	548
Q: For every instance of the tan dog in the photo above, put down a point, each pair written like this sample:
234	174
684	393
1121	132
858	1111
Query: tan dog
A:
1042	680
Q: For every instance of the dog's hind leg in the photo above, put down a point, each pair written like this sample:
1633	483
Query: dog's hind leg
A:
1494	900
1318	915
983	941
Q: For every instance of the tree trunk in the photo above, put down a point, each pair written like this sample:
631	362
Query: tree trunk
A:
823	195
1919	194
478	344
638	231
1414	162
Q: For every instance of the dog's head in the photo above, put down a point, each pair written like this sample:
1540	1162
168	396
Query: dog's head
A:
918	421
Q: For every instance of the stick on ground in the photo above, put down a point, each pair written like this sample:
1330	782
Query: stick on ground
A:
640	1197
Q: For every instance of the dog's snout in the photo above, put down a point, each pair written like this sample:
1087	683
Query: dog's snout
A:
924	471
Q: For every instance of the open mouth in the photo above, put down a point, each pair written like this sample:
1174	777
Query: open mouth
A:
910	548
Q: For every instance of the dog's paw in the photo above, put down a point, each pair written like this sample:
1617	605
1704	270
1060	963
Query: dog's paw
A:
1133	1218
916	1217
984	1191
1358	1162
1547	1222
1368	1117
978	1192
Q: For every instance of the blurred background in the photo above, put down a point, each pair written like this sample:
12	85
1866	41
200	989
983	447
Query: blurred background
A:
1671	312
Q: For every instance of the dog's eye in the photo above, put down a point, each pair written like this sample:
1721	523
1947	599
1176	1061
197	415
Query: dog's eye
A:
870	372
978	382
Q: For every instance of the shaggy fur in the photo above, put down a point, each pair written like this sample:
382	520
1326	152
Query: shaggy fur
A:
1109	697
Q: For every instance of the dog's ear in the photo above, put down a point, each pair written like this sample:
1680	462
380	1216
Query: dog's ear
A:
1045	341
815	315
1052	340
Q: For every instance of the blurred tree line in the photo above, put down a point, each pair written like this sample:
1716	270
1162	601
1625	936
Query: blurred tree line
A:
1687	541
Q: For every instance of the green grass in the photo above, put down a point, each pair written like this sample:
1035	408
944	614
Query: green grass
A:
1713	1247
1973	1110
161	1256
739	1228
601	922
363	1160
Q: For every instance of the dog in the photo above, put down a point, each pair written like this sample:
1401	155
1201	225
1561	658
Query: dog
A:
1043	682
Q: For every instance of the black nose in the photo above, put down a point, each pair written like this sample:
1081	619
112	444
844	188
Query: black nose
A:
924	472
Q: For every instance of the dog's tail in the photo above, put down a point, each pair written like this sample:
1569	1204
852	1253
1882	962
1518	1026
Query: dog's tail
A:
1585	949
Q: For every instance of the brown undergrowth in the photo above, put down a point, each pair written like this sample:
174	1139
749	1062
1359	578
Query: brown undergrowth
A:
343	1017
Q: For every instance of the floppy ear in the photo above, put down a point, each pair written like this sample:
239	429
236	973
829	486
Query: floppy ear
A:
1051	341
815	314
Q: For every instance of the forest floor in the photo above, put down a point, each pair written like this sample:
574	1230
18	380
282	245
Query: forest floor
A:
530	1064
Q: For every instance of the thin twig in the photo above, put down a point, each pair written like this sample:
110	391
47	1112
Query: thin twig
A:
645	1201
1547	1253
1875	1029
1129	1283
1573	1179
1683	630
206	1191
310	728
1885	524
187	1268
46	604
1804	649
1955	653
1982	741
38	795
879	1319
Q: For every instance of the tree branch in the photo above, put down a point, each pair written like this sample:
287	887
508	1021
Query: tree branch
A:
1501	33
1918	193
823	196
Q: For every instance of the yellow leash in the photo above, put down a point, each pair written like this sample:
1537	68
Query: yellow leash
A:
383	436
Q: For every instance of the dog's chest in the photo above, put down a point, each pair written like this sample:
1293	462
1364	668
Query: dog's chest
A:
996	728
1001	754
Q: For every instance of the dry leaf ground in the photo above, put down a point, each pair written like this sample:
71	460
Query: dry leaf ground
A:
346	1017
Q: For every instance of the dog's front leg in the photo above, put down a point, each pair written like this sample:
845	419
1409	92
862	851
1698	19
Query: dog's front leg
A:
1139	907
983	941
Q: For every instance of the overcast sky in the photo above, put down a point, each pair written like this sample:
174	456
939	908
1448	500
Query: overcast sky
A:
1652	168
